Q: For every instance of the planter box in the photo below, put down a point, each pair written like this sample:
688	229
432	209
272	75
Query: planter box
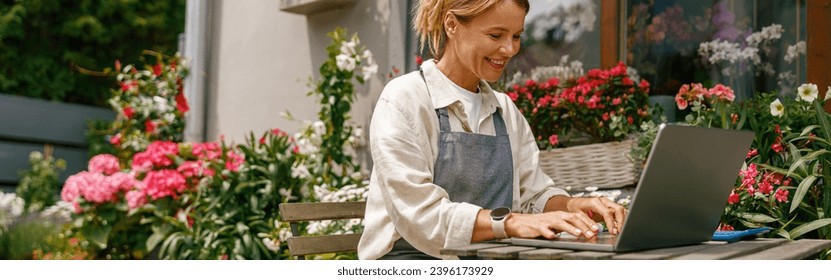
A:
28	124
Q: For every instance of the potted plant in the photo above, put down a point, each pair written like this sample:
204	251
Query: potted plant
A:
583	125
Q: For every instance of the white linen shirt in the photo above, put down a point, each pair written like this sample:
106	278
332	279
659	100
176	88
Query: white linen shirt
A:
403	136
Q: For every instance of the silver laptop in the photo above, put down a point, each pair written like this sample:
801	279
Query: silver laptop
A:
680	196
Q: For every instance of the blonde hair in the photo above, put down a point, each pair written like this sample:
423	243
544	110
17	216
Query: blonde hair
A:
428	21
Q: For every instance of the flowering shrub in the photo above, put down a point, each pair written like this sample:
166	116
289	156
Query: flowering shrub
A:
784	182
603	105
150	103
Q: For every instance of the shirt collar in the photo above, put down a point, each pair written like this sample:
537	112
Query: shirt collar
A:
440	89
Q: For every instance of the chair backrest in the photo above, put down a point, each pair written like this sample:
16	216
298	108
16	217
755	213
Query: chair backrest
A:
300	246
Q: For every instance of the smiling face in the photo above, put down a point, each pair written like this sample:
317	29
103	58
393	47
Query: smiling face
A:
479	49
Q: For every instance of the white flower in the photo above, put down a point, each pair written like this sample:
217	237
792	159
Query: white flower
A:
776	108
271	245
300	171
319	127
369	70
827	94
807	92
345	62
794	51
348	48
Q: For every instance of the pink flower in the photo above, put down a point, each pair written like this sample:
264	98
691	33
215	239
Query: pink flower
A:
90	186
681	102
733	198
233	161
103	163
121	181
194	169
752	153
115	140
781	195
553	140
513	95
207	151
722	92
135	198
765	187
164	183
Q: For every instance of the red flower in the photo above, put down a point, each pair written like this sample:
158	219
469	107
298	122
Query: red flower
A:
725	227
733	198
128	112
182	103
157	69
149	126
752	153
128	85
419	60
777	147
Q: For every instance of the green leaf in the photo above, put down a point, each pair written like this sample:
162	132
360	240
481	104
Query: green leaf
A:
757	218
783	233
98	235
822	117
808	227
801	191
154	240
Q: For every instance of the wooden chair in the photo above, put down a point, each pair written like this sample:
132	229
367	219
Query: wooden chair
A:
300	246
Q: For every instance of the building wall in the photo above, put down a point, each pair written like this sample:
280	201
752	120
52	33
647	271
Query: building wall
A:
262	58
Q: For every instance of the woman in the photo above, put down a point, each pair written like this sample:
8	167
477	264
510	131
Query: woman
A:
456	162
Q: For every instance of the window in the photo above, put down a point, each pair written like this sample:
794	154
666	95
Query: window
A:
752	46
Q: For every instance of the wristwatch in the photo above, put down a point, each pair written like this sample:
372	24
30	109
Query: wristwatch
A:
498	218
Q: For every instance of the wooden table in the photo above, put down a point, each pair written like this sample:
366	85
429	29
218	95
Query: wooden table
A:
757	249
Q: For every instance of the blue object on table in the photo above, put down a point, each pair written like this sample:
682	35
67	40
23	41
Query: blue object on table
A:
736	235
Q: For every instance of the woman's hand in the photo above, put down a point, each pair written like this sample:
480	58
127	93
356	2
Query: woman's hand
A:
599	209
548	224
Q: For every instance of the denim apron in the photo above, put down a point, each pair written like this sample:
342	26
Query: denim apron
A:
473	168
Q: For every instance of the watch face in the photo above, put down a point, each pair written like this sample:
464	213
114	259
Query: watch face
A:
500	212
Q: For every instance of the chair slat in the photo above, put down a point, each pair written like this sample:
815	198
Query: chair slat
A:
309	245
298	212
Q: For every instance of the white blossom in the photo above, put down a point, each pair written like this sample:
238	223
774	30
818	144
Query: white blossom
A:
776	108
807	92
273	245
827	94
794	51
565	20
345	62
348	48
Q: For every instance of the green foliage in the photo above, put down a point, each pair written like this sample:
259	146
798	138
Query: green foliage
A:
229	215
48	44
27	235
785	181
39	185
336	93
150	103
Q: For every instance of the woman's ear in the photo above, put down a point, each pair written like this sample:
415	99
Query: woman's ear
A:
450	24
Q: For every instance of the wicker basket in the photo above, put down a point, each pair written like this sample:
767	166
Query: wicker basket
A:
602	165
